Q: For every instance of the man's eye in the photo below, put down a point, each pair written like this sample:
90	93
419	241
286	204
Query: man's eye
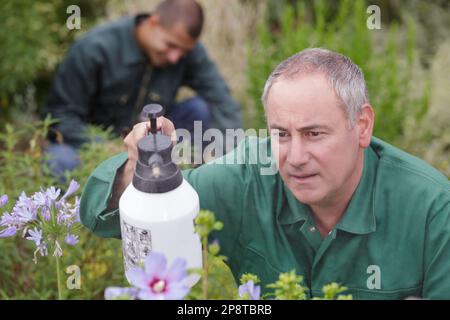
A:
313	134
281	134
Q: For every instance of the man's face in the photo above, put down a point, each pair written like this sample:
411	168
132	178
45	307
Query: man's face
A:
318	155
166	46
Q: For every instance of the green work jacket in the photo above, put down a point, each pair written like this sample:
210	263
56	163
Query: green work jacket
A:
392	242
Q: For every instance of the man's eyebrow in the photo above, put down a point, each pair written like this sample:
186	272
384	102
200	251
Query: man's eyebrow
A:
304	128
314	127
176	45
276	126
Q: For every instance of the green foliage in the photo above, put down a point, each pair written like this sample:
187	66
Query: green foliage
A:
332	291
387	64
205	223
221	284
34	38
22	158
102	145
246	277
288	287
23	169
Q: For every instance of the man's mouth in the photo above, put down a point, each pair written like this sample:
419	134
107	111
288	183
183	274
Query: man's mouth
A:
303	178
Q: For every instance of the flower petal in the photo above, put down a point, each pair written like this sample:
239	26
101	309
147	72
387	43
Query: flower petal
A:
177	270
250	289
71	239
73	187
138	278
8	232
242	290
3	200
256	293
120	292
149	295
155	265
176	291
191	280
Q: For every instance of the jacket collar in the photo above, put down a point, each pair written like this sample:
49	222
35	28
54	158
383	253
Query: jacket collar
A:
359	217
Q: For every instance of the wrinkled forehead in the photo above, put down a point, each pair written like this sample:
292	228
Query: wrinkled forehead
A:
310	89
306	98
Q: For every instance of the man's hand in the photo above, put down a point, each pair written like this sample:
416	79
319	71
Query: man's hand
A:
125	173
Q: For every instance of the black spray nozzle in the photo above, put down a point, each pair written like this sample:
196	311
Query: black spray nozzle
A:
153	111
155	171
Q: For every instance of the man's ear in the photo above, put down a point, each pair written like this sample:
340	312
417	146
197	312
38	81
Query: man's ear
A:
365	122
154	20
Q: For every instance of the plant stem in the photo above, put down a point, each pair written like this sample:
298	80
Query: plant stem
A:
58	278
205	268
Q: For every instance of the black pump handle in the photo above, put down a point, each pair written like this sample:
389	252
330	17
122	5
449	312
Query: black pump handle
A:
153	111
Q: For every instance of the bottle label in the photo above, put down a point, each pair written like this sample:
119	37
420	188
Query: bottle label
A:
136	244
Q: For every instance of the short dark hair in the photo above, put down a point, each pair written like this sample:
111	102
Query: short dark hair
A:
188	12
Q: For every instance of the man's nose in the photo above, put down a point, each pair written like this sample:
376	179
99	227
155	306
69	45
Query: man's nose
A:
298	153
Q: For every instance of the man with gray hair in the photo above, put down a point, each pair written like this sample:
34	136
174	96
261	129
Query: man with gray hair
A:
343	207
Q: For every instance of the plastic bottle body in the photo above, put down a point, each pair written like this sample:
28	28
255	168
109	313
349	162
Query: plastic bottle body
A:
160	222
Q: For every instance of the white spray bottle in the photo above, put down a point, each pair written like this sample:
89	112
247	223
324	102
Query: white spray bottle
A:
157	210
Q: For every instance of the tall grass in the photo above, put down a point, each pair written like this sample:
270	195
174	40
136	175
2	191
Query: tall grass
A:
387	61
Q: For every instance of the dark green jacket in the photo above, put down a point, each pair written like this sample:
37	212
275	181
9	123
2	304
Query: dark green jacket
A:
106	79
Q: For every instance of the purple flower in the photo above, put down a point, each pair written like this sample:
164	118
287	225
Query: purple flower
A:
41	199
157	283
62	217
3	200
73	187
8	232
71	239
52	193
8	219
45	200
30	215
23	201
46	214
24	214
118	293
249	290
35	235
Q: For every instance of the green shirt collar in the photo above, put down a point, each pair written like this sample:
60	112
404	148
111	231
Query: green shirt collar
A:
359	218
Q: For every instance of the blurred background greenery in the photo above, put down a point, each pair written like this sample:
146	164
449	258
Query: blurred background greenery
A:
406	64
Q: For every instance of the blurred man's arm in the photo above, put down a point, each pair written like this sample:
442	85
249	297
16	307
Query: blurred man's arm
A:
74	84
203	76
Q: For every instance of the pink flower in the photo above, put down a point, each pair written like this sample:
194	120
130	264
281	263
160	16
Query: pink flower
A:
156	282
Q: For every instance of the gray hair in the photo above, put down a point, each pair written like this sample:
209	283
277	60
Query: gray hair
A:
345	77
